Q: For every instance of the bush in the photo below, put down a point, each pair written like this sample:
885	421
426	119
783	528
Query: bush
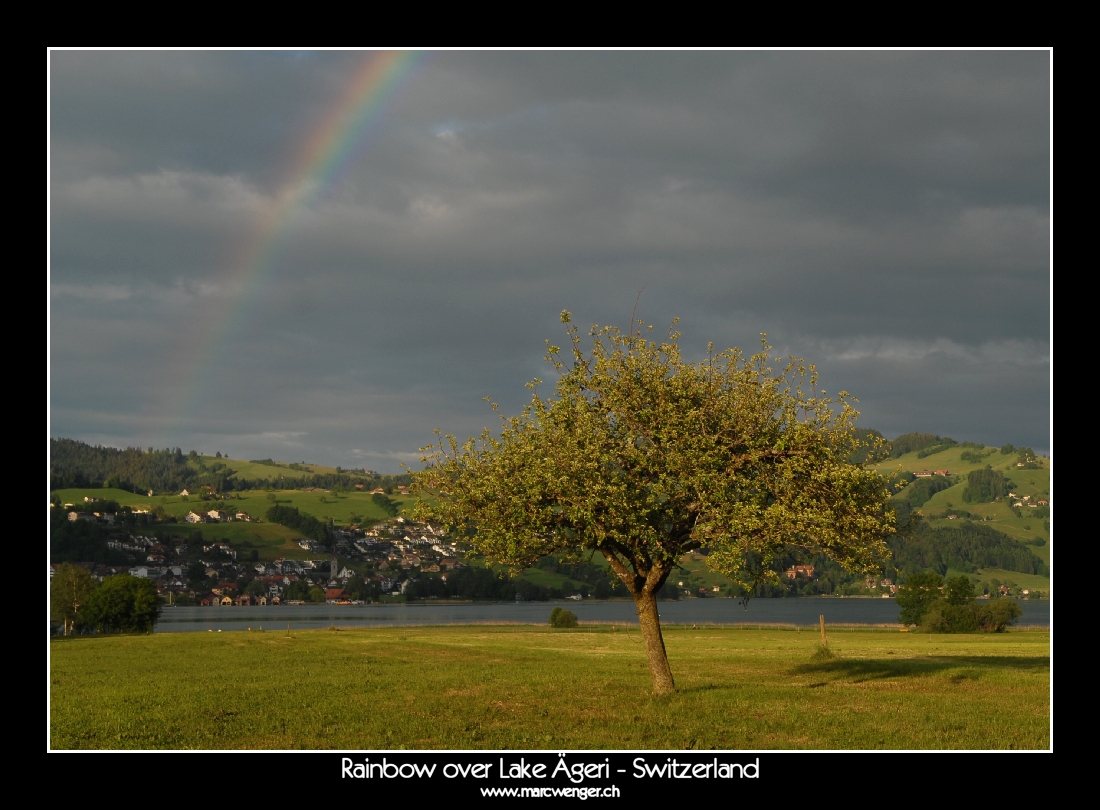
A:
123	604
995	617
954	611
917	595
944	617
562	618
998	614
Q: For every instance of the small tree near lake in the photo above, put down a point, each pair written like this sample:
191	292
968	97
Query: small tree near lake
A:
643	456
70	589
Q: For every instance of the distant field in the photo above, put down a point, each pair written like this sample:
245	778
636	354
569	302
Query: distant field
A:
523	687
1004	520
1031	581
270	540
248	470
951	460
323	505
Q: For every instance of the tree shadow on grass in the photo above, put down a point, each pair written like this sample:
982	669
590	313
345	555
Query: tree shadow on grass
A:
864	669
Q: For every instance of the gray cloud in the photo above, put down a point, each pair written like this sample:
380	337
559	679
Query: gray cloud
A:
885	214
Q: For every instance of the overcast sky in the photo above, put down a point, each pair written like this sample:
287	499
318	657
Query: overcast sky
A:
884	215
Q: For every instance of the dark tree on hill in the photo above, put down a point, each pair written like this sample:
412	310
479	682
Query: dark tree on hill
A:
308	525
921	490
984	486
388	506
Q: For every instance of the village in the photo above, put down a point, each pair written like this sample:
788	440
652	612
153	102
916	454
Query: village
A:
365	565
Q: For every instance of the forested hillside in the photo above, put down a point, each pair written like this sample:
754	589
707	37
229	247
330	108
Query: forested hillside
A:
967	547
74	464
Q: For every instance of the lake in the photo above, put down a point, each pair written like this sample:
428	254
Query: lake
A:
797	611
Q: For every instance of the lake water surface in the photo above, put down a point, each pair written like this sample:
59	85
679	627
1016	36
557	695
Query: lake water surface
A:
796	611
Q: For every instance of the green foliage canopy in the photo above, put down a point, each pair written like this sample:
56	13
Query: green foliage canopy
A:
643	456
308	525
387	505
938	607
70	589
985	486
915	596
123	604
559	617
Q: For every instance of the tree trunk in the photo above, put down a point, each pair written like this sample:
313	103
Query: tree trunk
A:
654	643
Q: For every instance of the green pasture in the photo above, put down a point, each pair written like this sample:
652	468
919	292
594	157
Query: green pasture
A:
340	507
952	461
1030	581
124	498
1023	528
250	471
270	540
535	688
1035	483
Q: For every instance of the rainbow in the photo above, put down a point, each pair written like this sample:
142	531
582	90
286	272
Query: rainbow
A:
332	150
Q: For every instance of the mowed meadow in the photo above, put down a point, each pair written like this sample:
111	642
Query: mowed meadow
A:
523	687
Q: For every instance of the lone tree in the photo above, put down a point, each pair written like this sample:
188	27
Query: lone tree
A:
644	456
70	590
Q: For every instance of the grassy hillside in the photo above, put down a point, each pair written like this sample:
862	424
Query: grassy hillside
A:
270	540
524	687
1035	483
251	471
323	505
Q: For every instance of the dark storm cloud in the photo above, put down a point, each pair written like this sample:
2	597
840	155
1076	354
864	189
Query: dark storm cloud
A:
883	214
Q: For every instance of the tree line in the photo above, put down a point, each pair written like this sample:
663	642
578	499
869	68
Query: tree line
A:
75	464
308	525
967	547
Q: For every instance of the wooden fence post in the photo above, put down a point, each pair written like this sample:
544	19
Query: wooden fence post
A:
824	638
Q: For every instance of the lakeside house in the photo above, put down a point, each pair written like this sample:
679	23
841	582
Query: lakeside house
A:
796	571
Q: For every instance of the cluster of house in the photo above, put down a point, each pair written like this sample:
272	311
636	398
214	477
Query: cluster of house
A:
394	549
796	571
930	473
216	516
1025	500
886	584
156	552
94	516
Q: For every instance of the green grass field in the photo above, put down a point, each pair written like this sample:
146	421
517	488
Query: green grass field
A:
534	688
951	460
1030	581
248	470
341	507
